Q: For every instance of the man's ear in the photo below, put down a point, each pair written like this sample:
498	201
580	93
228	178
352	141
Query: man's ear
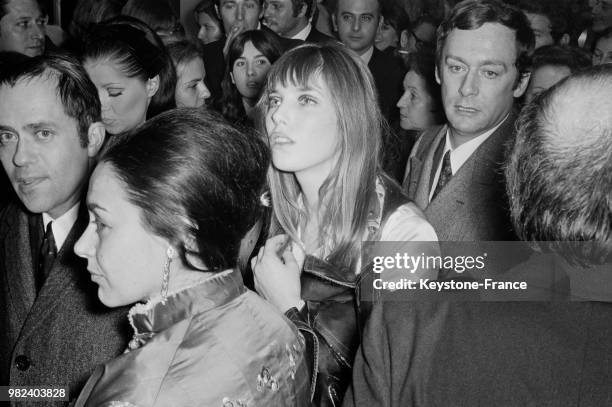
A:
232	78
404	39
334	23
437	70
152	85
522	84
95	138
302	12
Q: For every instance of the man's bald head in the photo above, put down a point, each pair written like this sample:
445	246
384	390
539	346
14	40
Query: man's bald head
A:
559	173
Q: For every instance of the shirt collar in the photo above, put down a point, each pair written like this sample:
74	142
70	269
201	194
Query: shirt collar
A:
62	225
366	56
302	35
459	155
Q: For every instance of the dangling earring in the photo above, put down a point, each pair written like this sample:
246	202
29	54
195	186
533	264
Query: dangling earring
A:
166	274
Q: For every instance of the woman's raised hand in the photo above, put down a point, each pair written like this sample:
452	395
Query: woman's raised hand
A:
277	274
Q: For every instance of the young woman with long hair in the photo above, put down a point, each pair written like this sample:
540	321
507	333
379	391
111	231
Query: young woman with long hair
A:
328	194
250	56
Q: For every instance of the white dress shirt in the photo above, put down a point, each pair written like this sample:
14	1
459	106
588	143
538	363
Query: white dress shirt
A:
62	225
304	33
459	155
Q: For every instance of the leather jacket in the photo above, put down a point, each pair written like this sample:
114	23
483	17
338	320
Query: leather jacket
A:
334	313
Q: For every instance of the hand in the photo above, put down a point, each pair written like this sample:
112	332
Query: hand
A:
277	274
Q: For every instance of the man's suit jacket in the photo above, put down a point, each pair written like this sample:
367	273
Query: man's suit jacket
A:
388	76
472	206
55	338
507	354
318	37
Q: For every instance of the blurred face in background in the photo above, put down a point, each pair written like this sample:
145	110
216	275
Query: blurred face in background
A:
602	14
190	88
249	72
239	15
603	51
210	29
421	36
387	36
124	100
23	28
544	78
357	23
542	28
280	17
416	104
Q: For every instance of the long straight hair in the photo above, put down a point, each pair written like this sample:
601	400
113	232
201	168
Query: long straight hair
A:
346	193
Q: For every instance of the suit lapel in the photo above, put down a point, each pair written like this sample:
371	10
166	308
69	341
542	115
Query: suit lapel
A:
479	171
423	190
18	265
61	278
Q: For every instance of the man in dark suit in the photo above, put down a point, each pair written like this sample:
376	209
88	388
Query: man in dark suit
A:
519	353
291	19
236	16
454	171
357	22
54	329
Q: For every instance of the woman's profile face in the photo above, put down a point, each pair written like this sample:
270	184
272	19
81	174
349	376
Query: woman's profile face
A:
302	128
210	29
124	258
190	89
124	100
386	36
416	104
249	71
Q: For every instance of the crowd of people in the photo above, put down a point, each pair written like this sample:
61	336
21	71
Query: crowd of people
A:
193	221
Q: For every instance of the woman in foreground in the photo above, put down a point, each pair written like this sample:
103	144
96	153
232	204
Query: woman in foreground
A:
168	207
329	196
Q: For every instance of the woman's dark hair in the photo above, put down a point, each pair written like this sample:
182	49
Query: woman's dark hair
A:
395	16
230	104
197	179
138	53
423	63
89	12
207	7
158	15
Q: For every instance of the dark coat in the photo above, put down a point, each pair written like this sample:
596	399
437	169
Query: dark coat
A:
55	338
473	205
318	37
336	309
484	354
388	76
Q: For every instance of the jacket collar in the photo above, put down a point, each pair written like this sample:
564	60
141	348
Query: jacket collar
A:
155	316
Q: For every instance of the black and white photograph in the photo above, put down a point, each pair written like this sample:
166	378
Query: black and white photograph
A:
294	203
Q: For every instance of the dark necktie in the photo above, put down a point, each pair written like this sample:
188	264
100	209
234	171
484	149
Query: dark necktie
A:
46	257
445	174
